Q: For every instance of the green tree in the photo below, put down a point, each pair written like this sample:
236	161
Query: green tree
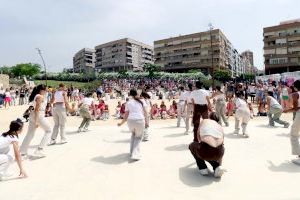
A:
152	69
26	69
5	70
248	77
222	75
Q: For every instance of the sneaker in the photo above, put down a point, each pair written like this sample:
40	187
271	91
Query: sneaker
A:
24	157
145	139
287	125
296	161
186	132
219	172
245	135
63	141
39	153
236	132
85	130
204	172
52	142
135	158
79	130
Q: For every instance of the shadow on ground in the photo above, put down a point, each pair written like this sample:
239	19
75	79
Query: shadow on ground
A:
117	141
286	166
234	136
190	176
178	147
112	160
175	135
283	135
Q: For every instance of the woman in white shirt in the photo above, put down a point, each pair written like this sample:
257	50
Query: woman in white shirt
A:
274	110
37	119
6	140
60	105
210	147
137	120
85	112
146	97
242	113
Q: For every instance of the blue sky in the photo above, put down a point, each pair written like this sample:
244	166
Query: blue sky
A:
62	27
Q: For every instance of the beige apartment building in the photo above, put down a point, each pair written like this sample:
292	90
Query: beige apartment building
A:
204	51
84	61
282	47
123	54
249	63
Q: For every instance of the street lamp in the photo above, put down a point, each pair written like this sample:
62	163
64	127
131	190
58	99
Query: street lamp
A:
40	53
212	55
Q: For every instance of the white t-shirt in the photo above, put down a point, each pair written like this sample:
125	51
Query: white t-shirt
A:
274	103
182	96
187	96
7	94
199	96
88	101
58	96
211	128
5	143
240	103
136	109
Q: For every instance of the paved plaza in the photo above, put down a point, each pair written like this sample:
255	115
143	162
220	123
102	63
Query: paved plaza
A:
95	165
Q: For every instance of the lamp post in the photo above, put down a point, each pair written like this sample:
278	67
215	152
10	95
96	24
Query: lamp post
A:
212	54
40	53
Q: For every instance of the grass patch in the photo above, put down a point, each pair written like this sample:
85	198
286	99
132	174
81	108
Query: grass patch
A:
55	84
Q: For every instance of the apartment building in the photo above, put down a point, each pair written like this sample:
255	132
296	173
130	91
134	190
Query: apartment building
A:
249	62
84	61
282	47
123	54
204	50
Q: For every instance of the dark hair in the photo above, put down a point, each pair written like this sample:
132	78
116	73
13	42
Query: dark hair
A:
14	126
134	94
214	116
190	86
145	95
239	94
218	88
89	94
61	85
181	88
270	93
297	84
36	90
199	84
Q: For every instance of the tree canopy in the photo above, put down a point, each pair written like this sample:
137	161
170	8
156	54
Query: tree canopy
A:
23	69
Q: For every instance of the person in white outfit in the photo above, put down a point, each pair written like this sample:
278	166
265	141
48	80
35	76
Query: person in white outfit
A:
295	128
180	106
60	105
188	108
6	140
37	119
137	120
146	97
242	113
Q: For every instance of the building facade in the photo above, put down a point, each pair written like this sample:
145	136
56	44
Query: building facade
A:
84	61
282	47
123	54
249	61
207	51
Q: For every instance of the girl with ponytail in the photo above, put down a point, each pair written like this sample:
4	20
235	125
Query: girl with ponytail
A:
7	139
37	119
137	120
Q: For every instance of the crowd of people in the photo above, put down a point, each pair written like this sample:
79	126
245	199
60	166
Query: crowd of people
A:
206	109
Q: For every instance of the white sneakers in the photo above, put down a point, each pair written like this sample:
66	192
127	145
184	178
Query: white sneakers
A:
204	172
63	141
217	173
39	153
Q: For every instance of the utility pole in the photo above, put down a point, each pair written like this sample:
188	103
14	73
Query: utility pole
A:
40	53
212	54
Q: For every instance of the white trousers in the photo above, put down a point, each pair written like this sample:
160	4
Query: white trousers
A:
5	162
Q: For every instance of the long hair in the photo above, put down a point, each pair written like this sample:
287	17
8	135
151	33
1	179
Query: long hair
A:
14	126
36	90
133	93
